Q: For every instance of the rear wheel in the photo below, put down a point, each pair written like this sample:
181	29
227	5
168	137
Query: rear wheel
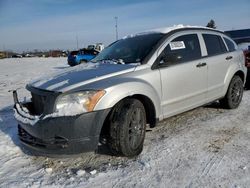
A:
127	128
234	94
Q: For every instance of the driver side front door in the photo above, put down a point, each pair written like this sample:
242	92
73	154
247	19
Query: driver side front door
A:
183	75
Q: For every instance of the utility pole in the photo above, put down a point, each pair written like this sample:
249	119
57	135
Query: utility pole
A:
116	27
77	42
5	51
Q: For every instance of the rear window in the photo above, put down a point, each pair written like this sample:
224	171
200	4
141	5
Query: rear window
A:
214	44
230	45
88	51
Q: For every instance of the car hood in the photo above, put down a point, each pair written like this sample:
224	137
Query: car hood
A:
77	76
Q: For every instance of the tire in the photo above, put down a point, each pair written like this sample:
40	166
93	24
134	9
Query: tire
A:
234	94
127	128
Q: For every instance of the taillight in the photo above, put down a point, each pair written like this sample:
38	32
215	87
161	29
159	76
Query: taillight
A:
247	58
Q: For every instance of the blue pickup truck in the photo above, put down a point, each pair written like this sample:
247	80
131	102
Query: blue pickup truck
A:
81	56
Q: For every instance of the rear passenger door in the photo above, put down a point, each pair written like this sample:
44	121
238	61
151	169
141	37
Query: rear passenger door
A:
217	60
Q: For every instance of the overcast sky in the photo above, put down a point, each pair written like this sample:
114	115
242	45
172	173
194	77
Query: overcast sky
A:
54	24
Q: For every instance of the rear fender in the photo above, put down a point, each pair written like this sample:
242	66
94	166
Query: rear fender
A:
231	72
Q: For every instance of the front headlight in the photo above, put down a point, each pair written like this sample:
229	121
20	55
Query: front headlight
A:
79	102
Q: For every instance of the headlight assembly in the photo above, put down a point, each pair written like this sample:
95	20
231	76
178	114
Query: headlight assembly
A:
79	102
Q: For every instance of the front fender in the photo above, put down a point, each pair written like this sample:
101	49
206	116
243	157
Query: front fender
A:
127	87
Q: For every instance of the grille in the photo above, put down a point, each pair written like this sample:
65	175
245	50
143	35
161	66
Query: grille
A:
57	142
29	139
38	103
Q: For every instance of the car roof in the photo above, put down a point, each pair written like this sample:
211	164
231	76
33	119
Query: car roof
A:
172	29
166	30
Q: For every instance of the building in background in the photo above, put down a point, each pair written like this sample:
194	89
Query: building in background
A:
241	37
2	55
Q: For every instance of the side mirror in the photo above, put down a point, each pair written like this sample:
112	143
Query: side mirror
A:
170	58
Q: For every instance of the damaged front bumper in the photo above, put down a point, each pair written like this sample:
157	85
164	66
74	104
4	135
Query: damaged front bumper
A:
58	135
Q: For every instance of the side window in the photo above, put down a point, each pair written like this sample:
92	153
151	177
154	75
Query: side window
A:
182	49
230	44
214	44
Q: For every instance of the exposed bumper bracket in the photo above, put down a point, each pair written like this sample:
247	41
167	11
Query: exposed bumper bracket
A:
15	97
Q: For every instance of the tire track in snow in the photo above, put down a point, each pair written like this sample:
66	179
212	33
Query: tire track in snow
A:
212	163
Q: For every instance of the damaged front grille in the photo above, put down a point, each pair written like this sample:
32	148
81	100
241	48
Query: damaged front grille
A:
42	101
29	139
38	103
56	143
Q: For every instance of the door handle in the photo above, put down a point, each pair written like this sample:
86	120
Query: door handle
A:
201	65
229	57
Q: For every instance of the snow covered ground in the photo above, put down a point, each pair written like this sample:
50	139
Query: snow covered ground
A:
205	147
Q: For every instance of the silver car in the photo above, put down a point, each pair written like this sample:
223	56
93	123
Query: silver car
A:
138	80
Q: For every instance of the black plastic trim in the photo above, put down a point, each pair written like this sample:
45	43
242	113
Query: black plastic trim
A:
63	135
167	35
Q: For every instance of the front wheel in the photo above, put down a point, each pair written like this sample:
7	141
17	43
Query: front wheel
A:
234	94
127	128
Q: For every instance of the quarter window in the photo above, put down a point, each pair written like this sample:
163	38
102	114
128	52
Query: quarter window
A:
214	44
230	44
182	49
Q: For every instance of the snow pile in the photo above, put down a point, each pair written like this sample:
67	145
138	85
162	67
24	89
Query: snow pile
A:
166	29
176	153
80	172
111	61
48	170
22	114
115	62
93	172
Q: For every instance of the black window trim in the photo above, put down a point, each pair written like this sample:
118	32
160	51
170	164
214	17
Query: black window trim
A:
224	39
157	65
163	40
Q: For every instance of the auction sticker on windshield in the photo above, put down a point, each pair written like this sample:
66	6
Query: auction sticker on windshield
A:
177	45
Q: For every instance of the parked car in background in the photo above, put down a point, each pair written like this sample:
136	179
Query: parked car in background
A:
84	55
16	56
138	80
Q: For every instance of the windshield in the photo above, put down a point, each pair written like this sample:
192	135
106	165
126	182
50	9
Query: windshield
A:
88	52
131	49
